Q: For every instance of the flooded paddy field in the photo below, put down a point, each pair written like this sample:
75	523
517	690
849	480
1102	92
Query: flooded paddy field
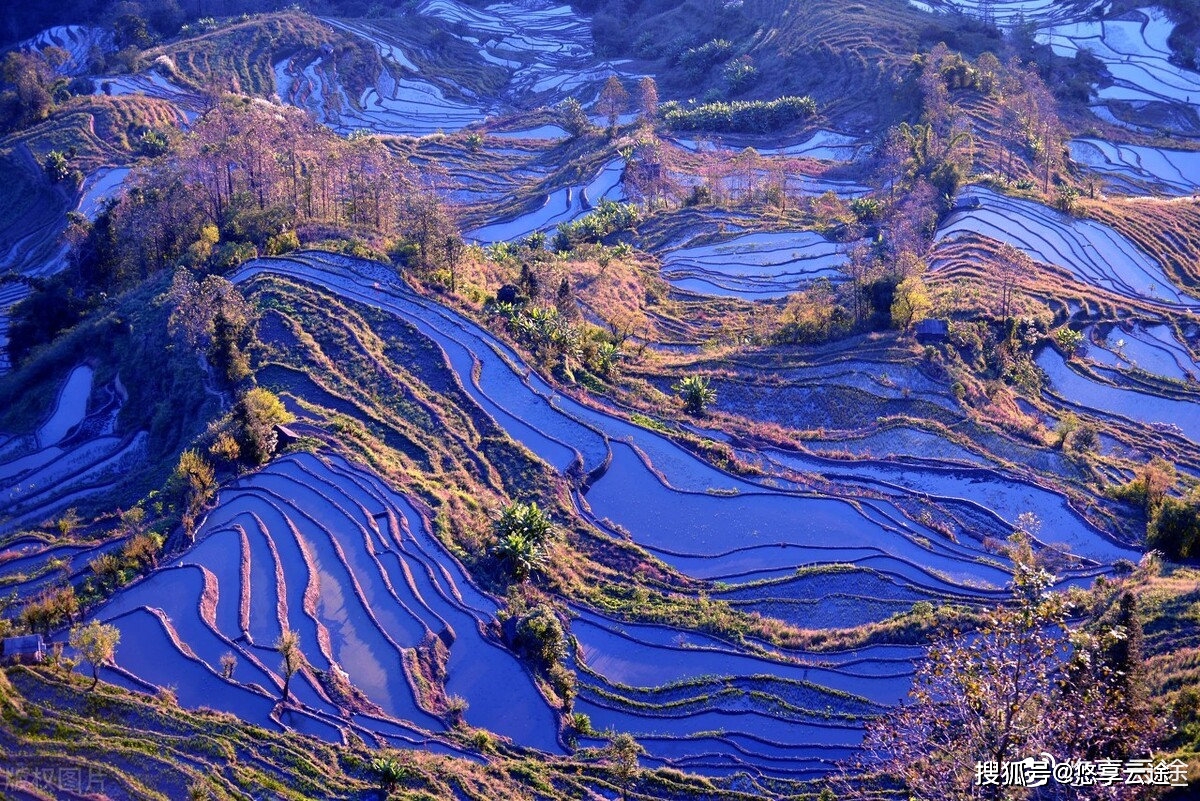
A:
324	547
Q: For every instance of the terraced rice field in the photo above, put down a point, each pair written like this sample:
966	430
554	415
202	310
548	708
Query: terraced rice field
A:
327	548
78	41
12	291
1155	349
37	566
542	52
561	206
548	48
848	527
98	188
1007	13
33	217
755	266
38	252
1133	48
764	265
395	104
151	83
822	145
986	489
1174	172
1135	52
73	454
540	132
1109	395
1095	253
788	714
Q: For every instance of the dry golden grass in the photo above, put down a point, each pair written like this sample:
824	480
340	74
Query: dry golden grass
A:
965	282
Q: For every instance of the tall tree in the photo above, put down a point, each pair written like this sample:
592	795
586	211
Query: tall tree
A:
197	478
572	117
1010	263
1104	703
613	101
648	98
26	95
622	753
910	303
256	415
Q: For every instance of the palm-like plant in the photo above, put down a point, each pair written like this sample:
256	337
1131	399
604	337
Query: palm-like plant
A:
522	530
606	357
521	553
696	392
390	773
524	518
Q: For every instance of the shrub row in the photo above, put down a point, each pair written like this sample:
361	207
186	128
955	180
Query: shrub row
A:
739	115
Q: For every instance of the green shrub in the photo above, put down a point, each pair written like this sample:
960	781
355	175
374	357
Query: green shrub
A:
1069	340
697	61
696	393
747	116
282	243
153	143
56	165
540	634
609	217
1174	528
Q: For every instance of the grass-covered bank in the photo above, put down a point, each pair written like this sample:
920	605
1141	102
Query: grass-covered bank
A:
137	746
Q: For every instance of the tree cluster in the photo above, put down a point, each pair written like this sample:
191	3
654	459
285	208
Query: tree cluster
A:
211	317
552	327
609	217
1172	517
1024	684
535	630
32	85
246	180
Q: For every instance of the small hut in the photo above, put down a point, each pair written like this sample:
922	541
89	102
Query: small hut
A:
286	436
24	650
931	331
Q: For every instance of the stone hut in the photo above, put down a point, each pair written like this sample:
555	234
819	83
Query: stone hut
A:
24	650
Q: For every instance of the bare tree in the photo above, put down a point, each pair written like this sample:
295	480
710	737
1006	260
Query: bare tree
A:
648	98
1010	263
613	101
1021	686
288	646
